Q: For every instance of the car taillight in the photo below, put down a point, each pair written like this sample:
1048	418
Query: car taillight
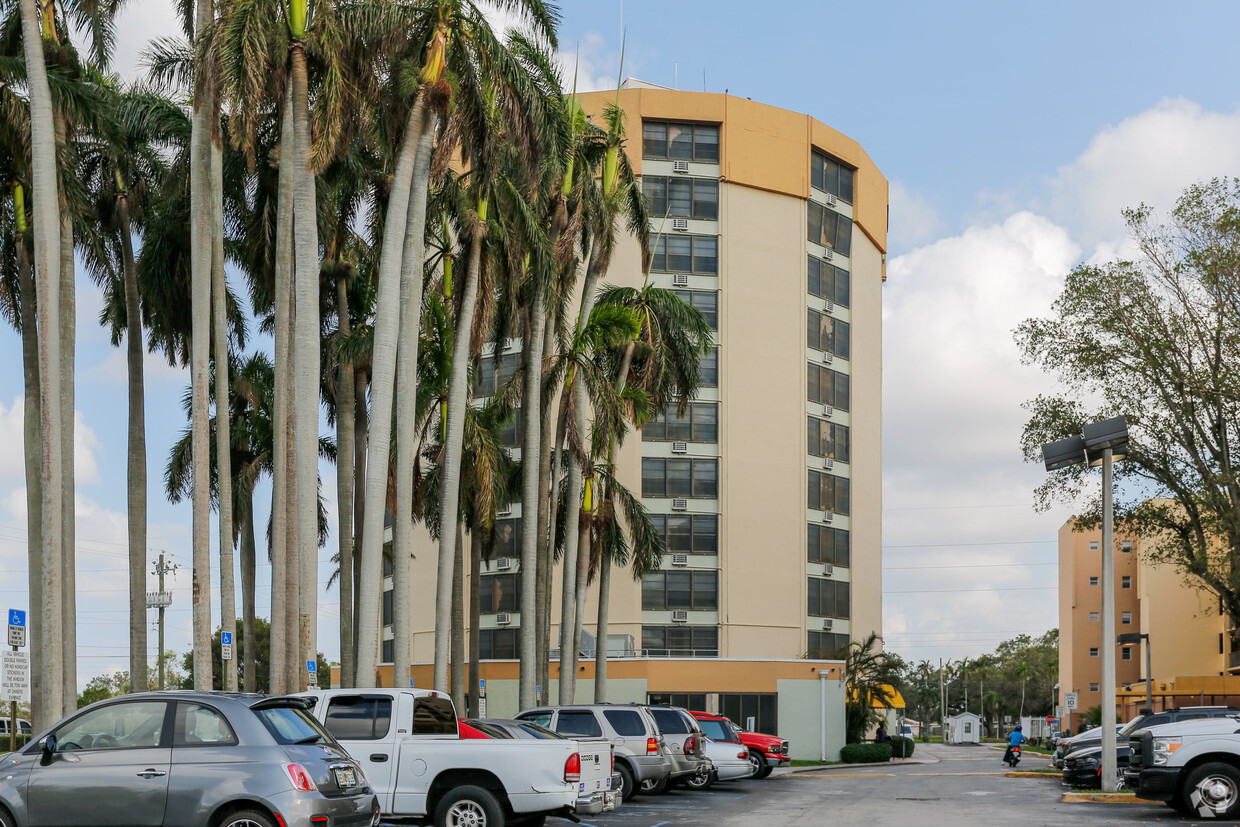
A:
613	760
300	778
652	746
572	768
690	745
743	754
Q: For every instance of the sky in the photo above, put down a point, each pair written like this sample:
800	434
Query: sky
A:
1012	137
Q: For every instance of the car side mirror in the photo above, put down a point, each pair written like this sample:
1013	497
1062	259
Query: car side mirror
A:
49	749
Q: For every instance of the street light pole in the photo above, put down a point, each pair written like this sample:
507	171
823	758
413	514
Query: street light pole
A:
1109	764
1149	675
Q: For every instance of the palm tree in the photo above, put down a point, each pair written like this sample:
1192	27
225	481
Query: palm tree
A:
871	676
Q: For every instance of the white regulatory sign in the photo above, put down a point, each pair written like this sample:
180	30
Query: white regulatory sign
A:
14	676
17	635
1069	700
226	651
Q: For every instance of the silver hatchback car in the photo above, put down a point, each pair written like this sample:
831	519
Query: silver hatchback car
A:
186	759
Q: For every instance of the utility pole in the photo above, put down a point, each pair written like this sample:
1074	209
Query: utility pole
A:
161	600
942	704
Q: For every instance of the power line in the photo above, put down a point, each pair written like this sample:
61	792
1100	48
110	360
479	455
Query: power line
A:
954	507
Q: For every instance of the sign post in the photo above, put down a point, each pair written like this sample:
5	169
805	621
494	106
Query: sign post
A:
15	682
1070	702
312	670
226	645
482	698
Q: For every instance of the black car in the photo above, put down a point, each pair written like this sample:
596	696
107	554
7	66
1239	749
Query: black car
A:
1083	768
1142	721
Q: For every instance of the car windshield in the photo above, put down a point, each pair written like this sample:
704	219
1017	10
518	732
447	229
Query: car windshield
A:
717	730
292	725
1132	725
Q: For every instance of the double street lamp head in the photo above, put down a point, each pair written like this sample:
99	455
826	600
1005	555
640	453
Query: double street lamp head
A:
1088	448
1065	452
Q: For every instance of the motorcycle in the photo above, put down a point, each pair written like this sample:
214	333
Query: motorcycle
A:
1012	757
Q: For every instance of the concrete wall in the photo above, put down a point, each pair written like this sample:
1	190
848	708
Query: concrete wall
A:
801	718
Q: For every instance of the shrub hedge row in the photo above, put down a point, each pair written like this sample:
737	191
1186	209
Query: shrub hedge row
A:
902	747
866	753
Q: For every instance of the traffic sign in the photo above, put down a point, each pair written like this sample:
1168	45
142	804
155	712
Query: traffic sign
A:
1069	700
312	671
14	676
17	617
1050	719
17	627
1059	711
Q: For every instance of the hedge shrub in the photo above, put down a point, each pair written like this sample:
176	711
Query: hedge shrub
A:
902	747
866	753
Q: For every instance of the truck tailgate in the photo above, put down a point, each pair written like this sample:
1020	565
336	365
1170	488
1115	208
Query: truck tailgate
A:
595	767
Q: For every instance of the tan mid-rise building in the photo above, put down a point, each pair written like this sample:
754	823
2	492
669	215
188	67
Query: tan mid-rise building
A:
768	491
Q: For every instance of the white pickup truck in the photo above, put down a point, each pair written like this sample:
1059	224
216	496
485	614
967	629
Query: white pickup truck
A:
422	771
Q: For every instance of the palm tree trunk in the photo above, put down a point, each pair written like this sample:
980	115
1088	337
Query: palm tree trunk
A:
306	366
360	429
68	348
548	481
249	563
136	476
568	557
223	441
600	651
31	442
200	288
531	488
408	184
475	614
458	398
413	258
280	496
344	487
458	622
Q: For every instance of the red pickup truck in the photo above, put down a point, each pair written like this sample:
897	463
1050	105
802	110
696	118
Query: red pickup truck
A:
766	752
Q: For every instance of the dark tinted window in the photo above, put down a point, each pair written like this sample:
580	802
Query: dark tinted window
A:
670	722
718	731
626	722
540	718
828	545
434	716
491	730
201	726
534	730
578	723
359	718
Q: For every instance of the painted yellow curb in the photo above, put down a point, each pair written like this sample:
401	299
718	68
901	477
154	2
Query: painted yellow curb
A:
1031	774
1104	798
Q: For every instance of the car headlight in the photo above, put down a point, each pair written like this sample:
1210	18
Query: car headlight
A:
1163	747
1091	761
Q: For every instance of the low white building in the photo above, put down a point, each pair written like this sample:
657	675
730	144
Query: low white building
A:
965	728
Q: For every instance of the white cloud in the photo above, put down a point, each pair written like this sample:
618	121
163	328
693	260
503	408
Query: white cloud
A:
12	446
914	220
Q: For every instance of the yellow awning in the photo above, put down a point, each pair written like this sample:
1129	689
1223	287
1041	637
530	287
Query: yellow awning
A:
897	700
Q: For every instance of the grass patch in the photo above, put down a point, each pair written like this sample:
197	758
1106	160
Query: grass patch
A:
797	762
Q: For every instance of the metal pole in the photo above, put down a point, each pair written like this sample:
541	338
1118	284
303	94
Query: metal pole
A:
161	625
13	722
1149	677
1109	776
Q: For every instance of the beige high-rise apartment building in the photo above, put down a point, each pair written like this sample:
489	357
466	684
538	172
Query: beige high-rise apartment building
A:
768	491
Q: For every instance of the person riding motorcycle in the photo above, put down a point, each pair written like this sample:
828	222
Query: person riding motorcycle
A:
1014	740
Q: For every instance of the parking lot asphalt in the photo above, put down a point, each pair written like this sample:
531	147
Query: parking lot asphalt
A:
962	785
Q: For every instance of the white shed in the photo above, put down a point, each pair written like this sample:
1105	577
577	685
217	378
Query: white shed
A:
965	728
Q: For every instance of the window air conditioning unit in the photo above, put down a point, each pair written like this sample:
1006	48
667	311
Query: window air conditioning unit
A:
680	504
829	254
827	570
830	307
828	462
828	624
832	199
680	280
503	564
681	224
503	511
680	166
827	410
680	447
828	358
680	616
680	559
828	516
503	618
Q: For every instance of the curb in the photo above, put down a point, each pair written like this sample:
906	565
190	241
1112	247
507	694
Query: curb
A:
1103	798
892	763
1030	774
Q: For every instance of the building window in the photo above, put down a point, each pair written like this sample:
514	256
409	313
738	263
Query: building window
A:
828	281
827	333
680	477
492	377
829	175
1093	581
388	596
680	141
1093	651
828	492
826	645
1093	617
705	302
681	641
1125	582
498	644
830	229
828	545
763	707
700	423
686	254
709	367
388	653
828	387
1126	547
513	429
827	439
828	598
688	533
1093	546
1125	618
507	534
1093	687
698	590
499	593
1125	653
682	197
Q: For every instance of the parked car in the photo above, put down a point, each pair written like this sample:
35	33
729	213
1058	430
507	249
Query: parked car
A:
23	728
729	762
1192	765
683	737
641	752
1083	768
408	742
1093	737
766	752
185	759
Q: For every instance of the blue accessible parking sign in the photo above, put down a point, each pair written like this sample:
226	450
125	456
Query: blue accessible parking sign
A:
17	617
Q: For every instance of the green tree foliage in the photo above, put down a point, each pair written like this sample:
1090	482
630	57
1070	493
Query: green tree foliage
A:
871	677
262	633
1156	338
102	687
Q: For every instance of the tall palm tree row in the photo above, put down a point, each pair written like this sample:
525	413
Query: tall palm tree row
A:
405	194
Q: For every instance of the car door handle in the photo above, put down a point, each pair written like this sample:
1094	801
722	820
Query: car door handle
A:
379	757
152	773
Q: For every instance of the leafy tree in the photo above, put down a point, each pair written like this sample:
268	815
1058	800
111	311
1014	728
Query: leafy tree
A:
871	676
262	652
1157	339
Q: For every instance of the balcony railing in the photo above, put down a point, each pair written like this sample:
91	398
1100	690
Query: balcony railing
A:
589	654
